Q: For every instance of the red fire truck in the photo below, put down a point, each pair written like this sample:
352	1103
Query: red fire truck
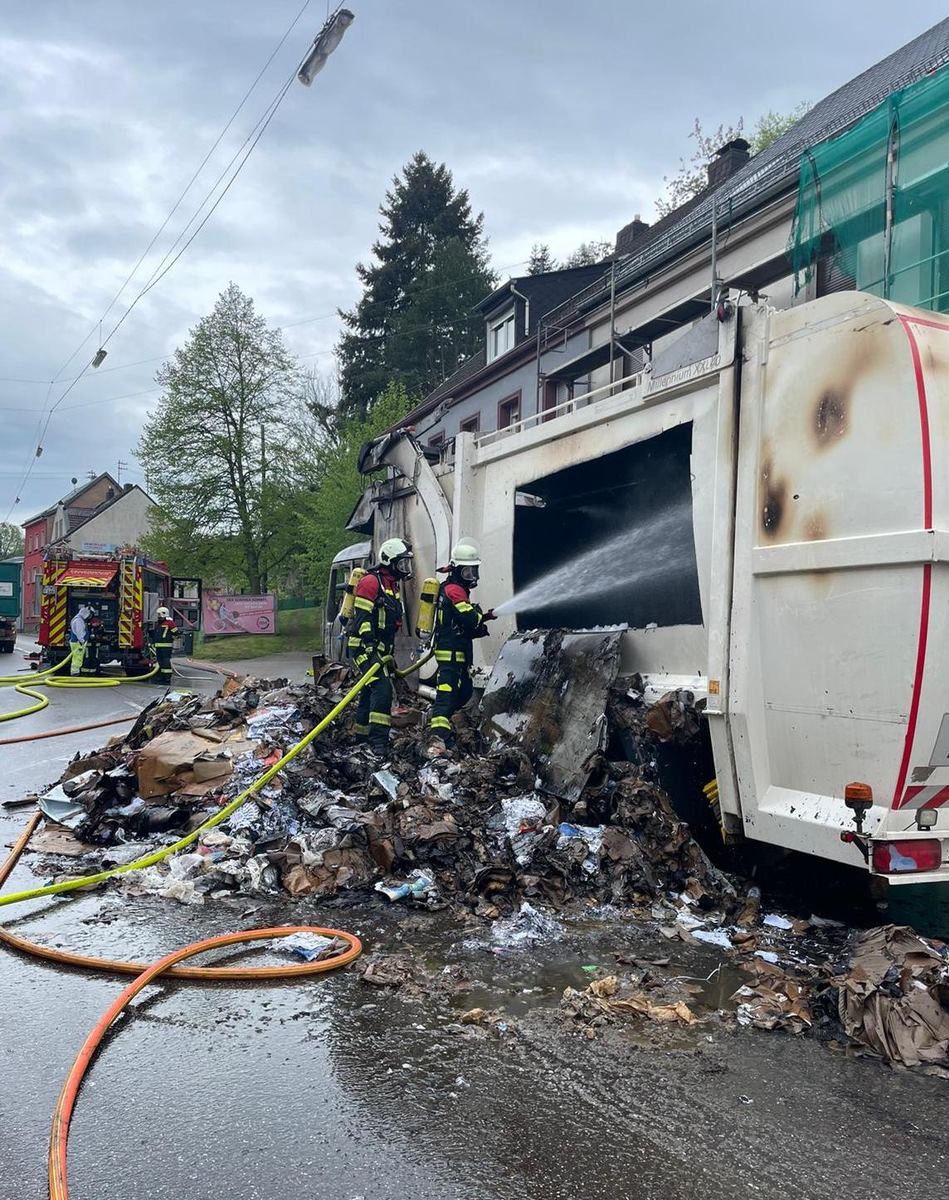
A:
124	589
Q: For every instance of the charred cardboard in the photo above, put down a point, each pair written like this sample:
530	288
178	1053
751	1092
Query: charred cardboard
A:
548	692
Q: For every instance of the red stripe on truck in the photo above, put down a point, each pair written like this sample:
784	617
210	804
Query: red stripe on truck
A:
899	799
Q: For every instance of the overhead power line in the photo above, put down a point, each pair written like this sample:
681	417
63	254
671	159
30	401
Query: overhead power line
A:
259	128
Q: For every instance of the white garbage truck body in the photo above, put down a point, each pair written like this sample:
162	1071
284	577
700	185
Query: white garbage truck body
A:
768	513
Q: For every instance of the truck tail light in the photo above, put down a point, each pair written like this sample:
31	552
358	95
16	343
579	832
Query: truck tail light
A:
895	858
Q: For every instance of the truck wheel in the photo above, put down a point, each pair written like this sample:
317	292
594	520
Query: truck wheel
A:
7	647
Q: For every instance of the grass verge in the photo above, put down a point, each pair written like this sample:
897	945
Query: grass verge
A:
298	630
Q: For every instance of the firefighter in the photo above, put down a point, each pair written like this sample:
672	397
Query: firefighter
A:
78	639
164	632
377	617
457	623
92	664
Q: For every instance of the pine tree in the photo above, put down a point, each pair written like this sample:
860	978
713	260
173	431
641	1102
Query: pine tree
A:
587	254
429	262
541	259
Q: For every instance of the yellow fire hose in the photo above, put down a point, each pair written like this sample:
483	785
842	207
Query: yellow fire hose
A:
167	966
46	679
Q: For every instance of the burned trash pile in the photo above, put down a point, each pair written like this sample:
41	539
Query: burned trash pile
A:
473	828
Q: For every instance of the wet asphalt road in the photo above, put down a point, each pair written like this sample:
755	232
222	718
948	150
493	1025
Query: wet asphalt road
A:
333	1090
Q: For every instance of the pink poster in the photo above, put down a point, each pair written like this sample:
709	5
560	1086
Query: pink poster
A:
238	614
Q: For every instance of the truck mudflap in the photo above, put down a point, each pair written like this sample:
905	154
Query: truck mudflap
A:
548	690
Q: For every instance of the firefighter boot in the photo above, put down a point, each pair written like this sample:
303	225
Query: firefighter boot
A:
379	740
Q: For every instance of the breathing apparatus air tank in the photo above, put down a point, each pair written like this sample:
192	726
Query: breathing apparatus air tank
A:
347	608
427	606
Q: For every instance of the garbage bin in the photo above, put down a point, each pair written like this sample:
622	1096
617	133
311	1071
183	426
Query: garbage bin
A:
187	642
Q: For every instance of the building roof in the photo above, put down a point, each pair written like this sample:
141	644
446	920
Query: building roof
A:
77	491
544	292
82	516
775	170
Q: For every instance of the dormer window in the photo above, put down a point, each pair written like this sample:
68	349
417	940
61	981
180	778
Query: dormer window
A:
501	334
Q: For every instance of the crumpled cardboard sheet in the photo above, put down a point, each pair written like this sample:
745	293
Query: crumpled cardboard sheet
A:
775	1001
548	691
895	997
178	758
600	999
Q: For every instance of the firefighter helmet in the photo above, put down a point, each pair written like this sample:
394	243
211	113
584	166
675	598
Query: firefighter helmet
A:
163	614
466	554
397	556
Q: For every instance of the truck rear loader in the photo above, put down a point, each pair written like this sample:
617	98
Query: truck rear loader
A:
765	509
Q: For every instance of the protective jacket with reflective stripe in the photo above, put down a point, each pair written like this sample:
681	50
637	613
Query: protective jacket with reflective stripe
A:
457	623
377	614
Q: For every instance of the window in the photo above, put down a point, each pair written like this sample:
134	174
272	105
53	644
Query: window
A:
436	440
509	410
501	335
471	424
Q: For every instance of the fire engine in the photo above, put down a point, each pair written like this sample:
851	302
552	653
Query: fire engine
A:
124	589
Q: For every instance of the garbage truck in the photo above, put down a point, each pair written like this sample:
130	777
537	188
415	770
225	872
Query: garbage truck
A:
764	511
124	589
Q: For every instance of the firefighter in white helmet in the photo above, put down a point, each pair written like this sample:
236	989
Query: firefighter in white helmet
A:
377	617
457	623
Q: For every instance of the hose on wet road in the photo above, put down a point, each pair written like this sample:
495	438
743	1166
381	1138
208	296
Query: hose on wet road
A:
168	966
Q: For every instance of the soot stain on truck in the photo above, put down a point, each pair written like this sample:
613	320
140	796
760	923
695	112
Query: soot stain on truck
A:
773	499
830	417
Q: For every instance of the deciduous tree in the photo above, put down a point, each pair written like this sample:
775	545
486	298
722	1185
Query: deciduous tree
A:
216	449
589	253
11	540
331	501
692	175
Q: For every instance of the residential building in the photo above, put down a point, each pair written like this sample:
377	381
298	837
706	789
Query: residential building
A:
760	229
497	386
96	517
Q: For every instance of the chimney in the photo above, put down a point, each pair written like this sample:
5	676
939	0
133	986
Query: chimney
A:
630	234
728	159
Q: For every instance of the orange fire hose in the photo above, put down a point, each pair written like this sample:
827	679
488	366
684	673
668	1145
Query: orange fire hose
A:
59	1134
35	737
166	967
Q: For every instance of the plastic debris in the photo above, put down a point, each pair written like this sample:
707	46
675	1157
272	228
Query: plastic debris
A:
307	946
419	885
774	921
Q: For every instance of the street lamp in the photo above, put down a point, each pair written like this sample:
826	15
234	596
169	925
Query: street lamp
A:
326	42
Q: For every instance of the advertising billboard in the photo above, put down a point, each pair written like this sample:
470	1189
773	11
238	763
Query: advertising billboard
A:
238	614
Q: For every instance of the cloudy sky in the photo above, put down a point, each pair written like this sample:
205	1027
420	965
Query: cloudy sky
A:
561	117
